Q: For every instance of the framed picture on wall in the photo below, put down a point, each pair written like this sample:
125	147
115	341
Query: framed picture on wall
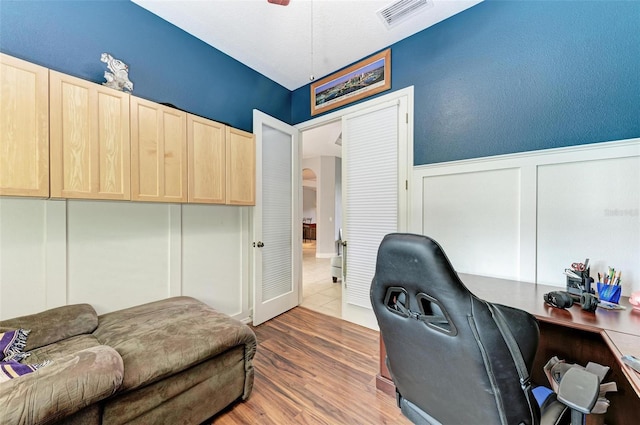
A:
365	78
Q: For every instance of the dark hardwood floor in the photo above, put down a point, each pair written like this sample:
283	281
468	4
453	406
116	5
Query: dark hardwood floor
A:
314	369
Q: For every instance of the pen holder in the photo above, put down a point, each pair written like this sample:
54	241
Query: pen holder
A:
610	293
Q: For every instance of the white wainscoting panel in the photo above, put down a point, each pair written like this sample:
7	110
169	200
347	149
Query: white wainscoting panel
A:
22	255
114	255
589	209
528	216
118	253
476	218
213	253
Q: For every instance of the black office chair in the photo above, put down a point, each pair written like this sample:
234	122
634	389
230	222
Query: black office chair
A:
454	358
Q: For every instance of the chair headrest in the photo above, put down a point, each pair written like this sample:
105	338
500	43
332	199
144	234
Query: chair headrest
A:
418	264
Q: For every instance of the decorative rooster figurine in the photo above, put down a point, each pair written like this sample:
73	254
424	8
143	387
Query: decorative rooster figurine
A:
118	78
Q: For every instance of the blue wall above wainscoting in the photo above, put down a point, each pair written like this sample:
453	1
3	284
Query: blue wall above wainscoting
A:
500	77
165	63
514	76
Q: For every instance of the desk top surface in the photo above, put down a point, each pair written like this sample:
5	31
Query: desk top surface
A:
528	297
619	328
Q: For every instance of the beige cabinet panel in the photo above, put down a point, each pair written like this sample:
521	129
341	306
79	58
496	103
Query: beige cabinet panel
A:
24	128
90	140
241	167
158	152
207	164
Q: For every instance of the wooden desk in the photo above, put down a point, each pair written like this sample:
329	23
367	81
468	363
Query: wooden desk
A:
574	335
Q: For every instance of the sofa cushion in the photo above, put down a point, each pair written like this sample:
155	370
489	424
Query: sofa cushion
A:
55	324
64	387
188	397
165	337
62	348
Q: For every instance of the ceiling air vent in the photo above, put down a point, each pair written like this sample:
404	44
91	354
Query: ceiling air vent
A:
400	10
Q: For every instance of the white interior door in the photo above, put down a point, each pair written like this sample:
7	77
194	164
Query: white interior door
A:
277	238
374	186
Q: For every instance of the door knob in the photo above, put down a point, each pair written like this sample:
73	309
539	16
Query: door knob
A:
260	244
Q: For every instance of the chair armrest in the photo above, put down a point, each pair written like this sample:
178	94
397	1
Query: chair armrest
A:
579	389
61	388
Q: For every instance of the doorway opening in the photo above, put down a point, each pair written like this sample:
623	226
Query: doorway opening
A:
321	218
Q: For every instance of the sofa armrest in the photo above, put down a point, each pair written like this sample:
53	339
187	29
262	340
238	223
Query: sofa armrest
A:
61	388
55	324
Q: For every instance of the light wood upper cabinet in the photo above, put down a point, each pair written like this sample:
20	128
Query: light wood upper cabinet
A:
207	165
24	128
241	167
89	139
65	137
158	152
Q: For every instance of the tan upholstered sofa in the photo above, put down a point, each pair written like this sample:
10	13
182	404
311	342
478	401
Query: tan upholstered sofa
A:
174	361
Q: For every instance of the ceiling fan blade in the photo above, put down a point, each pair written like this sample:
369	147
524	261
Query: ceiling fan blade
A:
279	2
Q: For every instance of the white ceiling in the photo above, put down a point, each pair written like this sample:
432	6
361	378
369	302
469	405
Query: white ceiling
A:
290	43
276	40
321	141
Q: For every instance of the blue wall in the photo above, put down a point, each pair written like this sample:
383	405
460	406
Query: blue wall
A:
165	63
513	76
501	77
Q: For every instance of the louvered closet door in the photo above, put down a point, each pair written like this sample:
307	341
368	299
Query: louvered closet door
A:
370	194
277	242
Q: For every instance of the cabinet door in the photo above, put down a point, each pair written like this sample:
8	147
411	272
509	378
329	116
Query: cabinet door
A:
206	147
158	152
241	167
24	128
89	139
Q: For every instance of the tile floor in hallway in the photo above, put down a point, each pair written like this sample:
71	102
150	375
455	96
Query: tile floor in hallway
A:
319	293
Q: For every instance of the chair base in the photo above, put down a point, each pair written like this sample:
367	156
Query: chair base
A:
414	413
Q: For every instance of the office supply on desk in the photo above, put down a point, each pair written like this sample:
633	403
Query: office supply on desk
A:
562	299
579	288
610	306
579	280
610	293
580	267
571	273
609	285
558	299
632	361
588	302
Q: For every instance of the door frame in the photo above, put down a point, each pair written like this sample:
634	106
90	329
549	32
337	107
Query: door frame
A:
405	153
